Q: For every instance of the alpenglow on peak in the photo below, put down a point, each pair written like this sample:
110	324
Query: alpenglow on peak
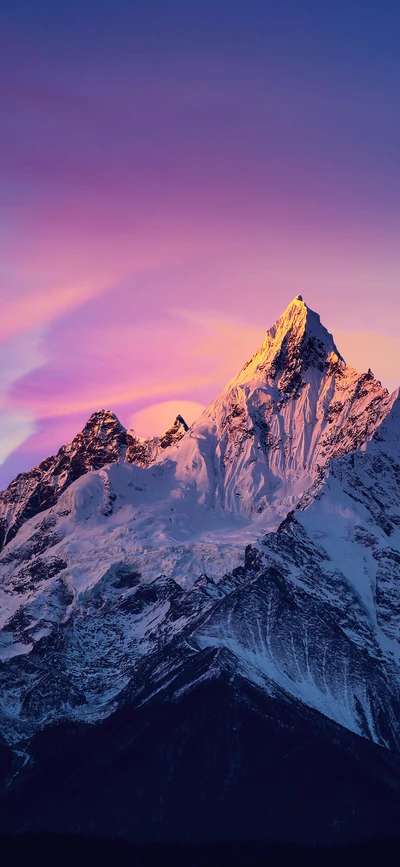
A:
297	323
297	341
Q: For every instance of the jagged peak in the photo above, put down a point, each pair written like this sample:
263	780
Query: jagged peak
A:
296	341
299	321
174	433
103	417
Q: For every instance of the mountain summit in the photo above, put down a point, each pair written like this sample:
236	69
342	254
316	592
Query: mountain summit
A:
296	342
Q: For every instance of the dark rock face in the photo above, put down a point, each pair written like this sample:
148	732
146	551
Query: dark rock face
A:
140	451
174	433
294	359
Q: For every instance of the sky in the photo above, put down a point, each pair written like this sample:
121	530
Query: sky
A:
172	174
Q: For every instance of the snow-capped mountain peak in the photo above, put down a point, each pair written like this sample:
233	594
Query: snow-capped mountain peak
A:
296	341
273	430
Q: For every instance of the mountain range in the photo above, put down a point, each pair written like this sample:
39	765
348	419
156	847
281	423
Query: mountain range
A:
200	633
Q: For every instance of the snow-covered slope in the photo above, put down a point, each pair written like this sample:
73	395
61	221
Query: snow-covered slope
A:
268	533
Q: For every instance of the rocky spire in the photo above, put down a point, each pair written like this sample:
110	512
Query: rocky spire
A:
174	433
296	342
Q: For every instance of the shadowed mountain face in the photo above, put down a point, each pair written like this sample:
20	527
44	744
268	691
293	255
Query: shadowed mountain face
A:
211	757
199	633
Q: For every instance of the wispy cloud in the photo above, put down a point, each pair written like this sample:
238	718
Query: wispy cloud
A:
18	356
29	310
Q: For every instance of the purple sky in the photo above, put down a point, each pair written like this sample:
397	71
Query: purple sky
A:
172	175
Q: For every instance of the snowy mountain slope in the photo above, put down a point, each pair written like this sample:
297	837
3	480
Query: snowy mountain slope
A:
143	568
355	518
102	441
322	619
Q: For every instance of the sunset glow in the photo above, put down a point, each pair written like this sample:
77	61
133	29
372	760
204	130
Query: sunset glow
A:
167	189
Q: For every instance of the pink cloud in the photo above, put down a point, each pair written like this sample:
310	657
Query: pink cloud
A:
27	311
